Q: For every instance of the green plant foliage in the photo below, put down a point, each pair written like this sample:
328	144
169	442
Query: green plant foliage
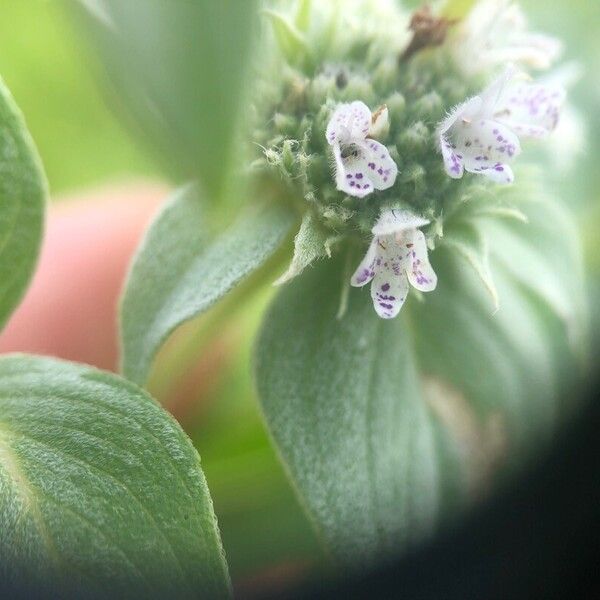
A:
22	205
388	427
44	63
101	492
181	270
180	66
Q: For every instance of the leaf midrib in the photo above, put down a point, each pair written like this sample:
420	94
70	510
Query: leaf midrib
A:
9	462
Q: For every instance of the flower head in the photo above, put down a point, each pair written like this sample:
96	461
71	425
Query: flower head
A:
361	163
481	135
495	32
397	255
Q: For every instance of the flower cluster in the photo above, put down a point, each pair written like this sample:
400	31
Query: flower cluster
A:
396	169
479	136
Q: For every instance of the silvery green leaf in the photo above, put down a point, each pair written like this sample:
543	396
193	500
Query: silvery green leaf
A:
101	492
388	429
181	269
179	68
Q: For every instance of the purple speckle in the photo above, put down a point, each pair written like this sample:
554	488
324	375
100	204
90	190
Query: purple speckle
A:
385	287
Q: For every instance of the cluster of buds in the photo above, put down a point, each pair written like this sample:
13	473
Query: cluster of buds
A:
391	175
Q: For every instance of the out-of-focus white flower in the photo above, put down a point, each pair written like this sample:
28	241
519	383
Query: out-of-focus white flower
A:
361	163
482	134
397	255
495	32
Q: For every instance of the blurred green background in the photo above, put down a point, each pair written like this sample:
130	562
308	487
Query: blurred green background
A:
46	64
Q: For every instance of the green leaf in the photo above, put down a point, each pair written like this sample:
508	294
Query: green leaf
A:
291	41
179	68
472	246
181	270
22	205
310	244
101	492
390	428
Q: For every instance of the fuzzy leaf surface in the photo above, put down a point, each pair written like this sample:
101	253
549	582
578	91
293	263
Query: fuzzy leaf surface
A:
182	269
388	428
101	492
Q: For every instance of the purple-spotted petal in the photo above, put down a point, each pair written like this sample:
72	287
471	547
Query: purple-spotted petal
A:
388	291
452	159
485	141
381	169
497	172
366	269
418	269
362	168
352	171
531	110
348	123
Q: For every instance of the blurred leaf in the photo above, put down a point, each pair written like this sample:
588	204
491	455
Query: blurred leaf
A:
179	68
101	492
387	428
43	64
291	41
22	205
181	270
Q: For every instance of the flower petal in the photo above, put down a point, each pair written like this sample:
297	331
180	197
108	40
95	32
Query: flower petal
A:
352	171
366	269
494	91
348	123
388	291
452	161
485	141
395	220
531	110
382	170
363	167
497	172
468	110
418	269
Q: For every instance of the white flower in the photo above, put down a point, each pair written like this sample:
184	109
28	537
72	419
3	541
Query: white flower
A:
397	255
495	32
361	163
481	135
